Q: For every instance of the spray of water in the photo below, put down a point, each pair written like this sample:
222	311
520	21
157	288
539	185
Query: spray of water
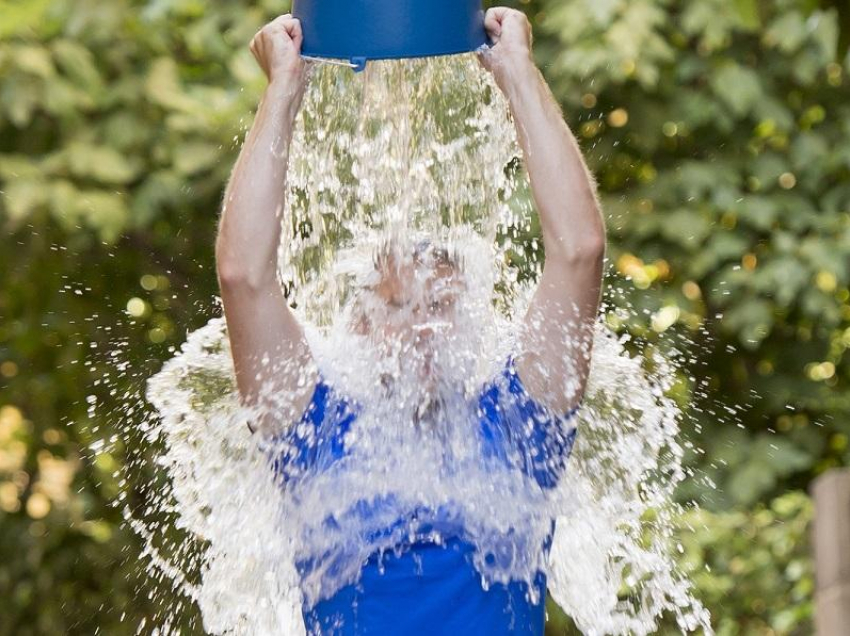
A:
401	251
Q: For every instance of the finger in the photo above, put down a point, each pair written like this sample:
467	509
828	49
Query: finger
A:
499	12
293	28
273	26
257	53
283	23
493	21
261	46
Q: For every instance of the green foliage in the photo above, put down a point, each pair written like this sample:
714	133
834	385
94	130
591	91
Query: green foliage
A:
752	569
720	134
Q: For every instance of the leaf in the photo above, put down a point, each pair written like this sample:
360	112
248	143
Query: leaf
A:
101	163
771	109
783	278
780	454
78	64
195	156
807	67
767	168
787	32
721	247
739	87
19	99
699	179
748	13
830	256
107	212
64	99
19	17
34	60
204	38
759	212
751	319
14	167
698	109
158	191
163	86
750	482
826	34
127	130
688	228
808	150
21	197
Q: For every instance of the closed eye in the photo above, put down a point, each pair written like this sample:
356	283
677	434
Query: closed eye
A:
396	303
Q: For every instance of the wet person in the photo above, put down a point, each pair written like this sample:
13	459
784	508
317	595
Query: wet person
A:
409	310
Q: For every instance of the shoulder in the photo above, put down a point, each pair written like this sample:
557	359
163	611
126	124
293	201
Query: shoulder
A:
524	432
507	390
320	403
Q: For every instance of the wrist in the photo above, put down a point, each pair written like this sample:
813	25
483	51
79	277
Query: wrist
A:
516	73
286	94
518	57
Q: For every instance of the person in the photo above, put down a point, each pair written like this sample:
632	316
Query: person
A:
407	310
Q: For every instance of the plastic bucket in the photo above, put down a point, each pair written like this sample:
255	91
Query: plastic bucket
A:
363	30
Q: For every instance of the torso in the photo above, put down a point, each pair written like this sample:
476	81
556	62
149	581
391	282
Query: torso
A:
425	575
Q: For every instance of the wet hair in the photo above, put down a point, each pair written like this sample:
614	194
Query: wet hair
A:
443	256
387	256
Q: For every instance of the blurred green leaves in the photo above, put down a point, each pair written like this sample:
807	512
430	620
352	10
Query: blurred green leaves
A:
752	569
730	168
97	99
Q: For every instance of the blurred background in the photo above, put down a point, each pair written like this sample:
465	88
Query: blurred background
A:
719	131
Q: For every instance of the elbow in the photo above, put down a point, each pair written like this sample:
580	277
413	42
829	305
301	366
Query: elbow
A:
229	274
596	244
237	268
228	268
588	248
235	273
230	277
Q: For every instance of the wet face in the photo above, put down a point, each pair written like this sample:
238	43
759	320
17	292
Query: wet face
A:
412	308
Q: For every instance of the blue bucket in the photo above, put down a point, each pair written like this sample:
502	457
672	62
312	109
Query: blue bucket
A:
363	30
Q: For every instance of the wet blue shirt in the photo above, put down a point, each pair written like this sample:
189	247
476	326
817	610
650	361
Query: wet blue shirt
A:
428	588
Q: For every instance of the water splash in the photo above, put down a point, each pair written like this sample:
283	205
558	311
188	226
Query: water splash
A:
423	149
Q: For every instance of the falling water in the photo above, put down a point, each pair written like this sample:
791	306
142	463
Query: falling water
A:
421	149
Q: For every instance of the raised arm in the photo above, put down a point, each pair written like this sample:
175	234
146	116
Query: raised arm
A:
271	357
557	333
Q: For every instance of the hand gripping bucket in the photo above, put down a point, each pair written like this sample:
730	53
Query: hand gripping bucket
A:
363	30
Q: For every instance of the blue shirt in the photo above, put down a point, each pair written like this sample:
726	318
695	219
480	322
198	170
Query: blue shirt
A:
429	588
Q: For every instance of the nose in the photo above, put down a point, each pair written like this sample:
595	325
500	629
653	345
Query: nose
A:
424	335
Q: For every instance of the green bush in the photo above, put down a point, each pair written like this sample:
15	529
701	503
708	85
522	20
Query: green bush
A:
752	569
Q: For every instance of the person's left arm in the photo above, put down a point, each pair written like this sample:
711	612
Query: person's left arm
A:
557	334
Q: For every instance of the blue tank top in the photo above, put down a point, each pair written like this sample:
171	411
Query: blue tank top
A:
425	587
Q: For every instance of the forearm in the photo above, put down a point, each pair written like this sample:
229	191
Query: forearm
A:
249	231
563	188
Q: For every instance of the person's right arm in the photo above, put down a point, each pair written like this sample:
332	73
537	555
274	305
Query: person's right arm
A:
271	356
